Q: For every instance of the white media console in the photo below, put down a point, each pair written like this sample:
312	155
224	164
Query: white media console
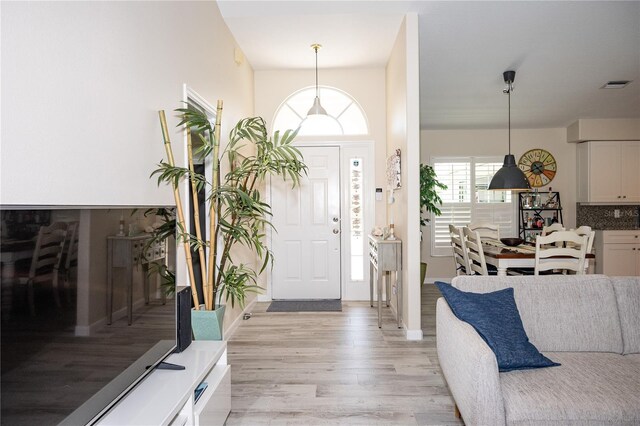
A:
166	397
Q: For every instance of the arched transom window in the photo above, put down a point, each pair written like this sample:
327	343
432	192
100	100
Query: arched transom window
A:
344	114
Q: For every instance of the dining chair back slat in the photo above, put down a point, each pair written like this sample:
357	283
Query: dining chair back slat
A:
562	250
460	258
45	263
475	252
554	227
591	235
486	230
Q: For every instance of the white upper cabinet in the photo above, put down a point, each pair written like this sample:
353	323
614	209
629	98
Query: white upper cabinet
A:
609	172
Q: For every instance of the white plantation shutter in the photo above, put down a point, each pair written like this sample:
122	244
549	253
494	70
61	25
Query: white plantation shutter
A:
467	199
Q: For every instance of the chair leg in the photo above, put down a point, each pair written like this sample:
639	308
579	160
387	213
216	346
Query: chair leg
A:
456	411
32	305
56	290
67	286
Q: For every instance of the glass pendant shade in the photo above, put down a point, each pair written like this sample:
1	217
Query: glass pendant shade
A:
509	177
317	109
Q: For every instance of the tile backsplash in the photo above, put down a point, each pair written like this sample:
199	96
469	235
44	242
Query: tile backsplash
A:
604	217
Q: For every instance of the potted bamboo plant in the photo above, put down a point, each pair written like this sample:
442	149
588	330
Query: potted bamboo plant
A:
429	202
236	213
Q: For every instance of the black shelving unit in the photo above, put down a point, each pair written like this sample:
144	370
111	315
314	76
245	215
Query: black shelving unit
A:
536	210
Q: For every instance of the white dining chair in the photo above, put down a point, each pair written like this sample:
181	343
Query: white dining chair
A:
70	255
554	227
560	251
45	263
486	229
460	258
590	234
475	253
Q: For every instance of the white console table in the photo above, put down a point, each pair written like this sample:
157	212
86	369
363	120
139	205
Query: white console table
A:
166	397
385	256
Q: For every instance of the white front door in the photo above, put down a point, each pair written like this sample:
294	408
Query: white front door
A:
306	240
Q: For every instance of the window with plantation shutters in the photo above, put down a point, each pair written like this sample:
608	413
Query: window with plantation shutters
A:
467	199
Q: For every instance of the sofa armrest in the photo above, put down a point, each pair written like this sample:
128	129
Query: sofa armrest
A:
470	368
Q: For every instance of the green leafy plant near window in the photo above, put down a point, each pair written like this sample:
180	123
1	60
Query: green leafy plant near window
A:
429	198
237	214
429	202
164	232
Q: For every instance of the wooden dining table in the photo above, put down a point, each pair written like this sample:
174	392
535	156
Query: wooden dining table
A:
504	257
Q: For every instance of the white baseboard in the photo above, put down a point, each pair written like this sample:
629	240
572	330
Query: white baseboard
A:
410	334
263	298
414	334
91	329
236	323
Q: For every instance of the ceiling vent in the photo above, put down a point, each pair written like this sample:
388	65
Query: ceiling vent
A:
616	84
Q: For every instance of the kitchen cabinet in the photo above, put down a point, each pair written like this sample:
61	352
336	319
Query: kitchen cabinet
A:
618	253
608	172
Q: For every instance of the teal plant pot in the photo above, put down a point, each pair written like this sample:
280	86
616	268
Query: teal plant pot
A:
207	325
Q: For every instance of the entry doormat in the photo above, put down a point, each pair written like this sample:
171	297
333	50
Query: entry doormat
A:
305	306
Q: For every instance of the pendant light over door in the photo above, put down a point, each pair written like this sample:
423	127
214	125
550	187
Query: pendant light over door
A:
317	109
509	177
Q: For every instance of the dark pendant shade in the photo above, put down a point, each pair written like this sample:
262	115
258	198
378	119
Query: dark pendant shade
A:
509	177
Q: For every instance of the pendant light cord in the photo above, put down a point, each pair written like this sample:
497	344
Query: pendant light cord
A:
509	93
317	91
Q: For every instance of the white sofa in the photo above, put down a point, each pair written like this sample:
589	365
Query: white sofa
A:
590	324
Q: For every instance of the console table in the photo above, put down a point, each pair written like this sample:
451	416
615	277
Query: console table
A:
166	397
385	256
127	252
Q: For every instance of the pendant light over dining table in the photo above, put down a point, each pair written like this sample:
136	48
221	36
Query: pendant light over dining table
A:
509	177
316	109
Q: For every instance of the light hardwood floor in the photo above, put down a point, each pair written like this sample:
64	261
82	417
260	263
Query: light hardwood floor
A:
336	368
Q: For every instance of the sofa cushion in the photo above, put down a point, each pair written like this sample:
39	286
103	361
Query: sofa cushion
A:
588	388
495	317
573	313
627	291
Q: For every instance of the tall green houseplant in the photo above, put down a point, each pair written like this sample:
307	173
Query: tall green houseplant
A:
236	212
429	202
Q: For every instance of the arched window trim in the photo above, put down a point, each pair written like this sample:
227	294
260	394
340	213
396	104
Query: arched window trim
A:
336	118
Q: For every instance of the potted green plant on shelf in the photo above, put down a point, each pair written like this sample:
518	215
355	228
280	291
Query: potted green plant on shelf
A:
236	212
429	202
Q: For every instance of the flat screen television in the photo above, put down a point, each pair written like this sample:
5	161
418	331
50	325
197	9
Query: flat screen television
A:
62	361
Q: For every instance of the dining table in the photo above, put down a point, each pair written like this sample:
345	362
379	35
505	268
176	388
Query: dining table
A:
504	257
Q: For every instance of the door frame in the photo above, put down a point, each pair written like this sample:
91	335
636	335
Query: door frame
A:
188	93
348	290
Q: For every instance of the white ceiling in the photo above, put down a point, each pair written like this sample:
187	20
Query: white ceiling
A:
563	53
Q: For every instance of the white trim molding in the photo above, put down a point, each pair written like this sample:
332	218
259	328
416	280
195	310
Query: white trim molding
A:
414	334
228	333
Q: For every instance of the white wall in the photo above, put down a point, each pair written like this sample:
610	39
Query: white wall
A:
81	86
82	83
494	143
403	131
